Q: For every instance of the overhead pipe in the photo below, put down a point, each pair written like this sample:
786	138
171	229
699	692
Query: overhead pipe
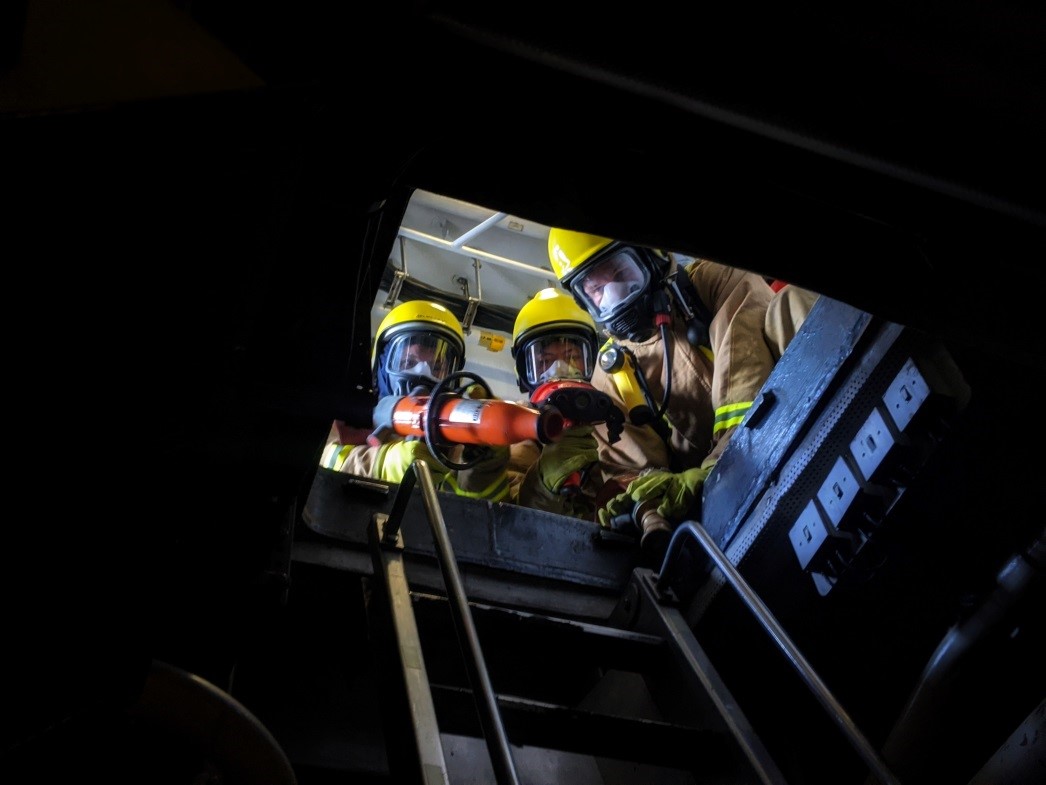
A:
478	229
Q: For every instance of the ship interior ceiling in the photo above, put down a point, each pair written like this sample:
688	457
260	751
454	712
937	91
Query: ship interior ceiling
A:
211	204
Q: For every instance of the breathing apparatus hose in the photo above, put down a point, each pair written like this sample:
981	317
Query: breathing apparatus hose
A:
663	325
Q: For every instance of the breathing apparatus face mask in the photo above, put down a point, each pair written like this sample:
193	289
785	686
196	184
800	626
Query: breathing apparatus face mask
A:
412	359
555	356
618	291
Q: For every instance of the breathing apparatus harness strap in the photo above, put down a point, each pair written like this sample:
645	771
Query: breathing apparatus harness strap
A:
695	312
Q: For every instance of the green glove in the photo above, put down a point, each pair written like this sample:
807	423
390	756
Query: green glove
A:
398	457
677	492
576	450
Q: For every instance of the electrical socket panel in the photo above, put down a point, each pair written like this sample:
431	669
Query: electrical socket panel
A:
906	395
871	444
838	491
808	534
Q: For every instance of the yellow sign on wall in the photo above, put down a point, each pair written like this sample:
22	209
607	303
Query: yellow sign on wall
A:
494	343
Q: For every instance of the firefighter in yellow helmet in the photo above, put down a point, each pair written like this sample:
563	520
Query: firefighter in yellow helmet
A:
695	335
553	340
417	345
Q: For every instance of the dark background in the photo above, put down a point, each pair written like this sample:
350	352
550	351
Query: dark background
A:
198	193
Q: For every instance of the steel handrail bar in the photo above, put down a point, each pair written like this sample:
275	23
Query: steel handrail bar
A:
482	690
694	529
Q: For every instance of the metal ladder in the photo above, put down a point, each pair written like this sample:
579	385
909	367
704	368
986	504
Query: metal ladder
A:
427	763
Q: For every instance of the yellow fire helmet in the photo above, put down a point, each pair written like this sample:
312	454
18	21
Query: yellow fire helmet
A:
419	343
569	251
617	283
553	338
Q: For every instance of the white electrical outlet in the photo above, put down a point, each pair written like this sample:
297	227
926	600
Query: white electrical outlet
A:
905	395
838	491
871	444
808	534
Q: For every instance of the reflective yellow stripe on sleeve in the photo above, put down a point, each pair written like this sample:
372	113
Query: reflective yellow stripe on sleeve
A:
497	491
334	456
730	415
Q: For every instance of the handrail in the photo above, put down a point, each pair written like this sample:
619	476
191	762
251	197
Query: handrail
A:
780	637
483	691
467	250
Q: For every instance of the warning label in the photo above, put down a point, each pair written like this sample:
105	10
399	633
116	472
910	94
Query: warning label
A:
494	343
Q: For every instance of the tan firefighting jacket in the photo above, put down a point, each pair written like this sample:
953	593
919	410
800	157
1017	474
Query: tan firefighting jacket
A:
712	387
785	315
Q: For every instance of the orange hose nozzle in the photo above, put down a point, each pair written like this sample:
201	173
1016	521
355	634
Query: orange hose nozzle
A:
479	421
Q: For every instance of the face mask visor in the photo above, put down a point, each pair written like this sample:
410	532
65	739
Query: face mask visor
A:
557	356
419	359
612	284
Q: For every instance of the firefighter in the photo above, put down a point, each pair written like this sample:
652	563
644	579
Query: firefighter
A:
695	334
554	340
417	345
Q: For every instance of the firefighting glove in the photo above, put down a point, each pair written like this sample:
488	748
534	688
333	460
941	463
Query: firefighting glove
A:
487	478
395	459
574	452
678	494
